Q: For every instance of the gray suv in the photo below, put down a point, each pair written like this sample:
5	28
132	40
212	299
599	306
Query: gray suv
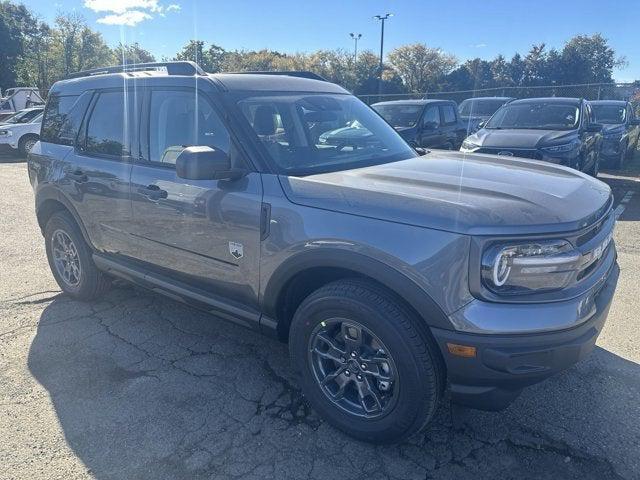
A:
392	276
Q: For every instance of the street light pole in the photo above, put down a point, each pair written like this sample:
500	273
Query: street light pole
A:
356	37
382	18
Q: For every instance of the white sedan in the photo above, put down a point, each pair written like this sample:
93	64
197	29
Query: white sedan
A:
21	136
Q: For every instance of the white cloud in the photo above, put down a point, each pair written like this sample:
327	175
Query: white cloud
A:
478	45
129	12
129	18
121	6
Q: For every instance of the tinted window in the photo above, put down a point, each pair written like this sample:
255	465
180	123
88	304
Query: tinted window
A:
105	130
610	114
399	115
542	116
313	133
449	114
62	118
182	118
431	117
485	108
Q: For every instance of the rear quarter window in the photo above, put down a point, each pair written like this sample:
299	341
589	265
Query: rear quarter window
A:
62	118
449	114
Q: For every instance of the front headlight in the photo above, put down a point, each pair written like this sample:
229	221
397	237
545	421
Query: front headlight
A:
518	268
6	133
565	147
468	146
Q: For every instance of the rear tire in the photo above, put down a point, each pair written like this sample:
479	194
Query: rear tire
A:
353	336
70	259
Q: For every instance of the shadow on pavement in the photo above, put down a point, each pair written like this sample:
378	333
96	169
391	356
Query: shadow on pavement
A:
144	387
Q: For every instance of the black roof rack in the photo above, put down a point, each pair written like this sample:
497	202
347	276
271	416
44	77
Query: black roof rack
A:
290	73
173	68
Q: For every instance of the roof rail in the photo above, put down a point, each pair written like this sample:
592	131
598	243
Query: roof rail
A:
290	73
173	68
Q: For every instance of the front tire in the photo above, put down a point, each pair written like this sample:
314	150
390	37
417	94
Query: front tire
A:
364	362
70	259
26	143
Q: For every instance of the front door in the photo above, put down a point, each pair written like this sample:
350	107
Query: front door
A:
202	232
430	131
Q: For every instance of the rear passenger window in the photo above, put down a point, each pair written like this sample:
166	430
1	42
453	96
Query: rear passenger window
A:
448	113
105	129
62	118
180	119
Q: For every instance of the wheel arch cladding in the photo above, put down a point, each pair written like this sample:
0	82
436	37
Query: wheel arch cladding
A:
48	202
305	272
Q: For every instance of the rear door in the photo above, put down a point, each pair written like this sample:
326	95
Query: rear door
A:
83	150
431	134
202	232
98	171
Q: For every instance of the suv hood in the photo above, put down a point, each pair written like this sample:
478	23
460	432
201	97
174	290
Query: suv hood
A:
463	193
518	138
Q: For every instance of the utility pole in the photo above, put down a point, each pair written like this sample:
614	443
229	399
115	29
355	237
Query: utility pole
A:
356	37
382	18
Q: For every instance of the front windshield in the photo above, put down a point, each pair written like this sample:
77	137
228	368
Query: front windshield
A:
610	114
23	116
400	116
305	134
537	116
485	108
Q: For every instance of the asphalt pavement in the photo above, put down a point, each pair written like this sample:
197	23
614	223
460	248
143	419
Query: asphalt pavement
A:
137	386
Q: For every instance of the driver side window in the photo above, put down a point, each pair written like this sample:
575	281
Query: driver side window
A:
183	118
431	117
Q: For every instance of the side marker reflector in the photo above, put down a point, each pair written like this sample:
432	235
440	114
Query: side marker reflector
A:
461	350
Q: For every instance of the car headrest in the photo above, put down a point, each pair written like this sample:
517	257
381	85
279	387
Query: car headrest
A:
264	120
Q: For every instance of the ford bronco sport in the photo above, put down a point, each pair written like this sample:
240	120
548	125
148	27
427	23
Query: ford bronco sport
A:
392	276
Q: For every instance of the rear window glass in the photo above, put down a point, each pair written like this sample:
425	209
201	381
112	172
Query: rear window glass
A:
62	118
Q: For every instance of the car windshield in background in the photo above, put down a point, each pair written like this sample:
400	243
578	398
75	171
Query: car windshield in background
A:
400	116
21	117
539	116
316	133
610	114
469	108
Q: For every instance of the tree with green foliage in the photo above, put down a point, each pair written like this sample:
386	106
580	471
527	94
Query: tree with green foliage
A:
420	67
17	25
132	53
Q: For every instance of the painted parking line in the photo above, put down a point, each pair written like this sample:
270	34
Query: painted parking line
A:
623	203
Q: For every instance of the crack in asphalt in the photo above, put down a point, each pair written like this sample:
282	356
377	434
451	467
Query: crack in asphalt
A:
432	453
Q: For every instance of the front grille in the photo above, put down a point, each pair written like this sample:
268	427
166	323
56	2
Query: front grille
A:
512	152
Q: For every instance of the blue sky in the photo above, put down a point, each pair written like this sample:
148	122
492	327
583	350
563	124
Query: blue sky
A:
466	28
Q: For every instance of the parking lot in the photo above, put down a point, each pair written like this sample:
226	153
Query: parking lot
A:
139	386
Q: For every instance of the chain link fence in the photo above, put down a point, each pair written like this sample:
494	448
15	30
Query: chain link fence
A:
589	91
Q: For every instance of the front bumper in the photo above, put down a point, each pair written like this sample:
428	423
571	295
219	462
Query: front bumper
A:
505	364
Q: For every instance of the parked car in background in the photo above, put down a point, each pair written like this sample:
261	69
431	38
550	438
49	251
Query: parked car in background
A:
391	277
17	99
556	130
620	130
21	135
23	116
474	111
424	123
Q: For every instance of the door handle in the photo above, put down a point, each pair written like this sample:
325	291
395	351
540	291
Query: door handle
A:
78	176
153	192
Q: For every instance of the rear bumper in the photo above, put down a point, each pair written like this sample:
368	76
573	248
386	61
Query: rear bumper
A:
505	364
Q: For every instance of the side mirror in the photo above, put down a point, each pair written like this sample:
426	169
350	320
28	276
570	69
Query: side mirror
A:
481	125
204	163
594	127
